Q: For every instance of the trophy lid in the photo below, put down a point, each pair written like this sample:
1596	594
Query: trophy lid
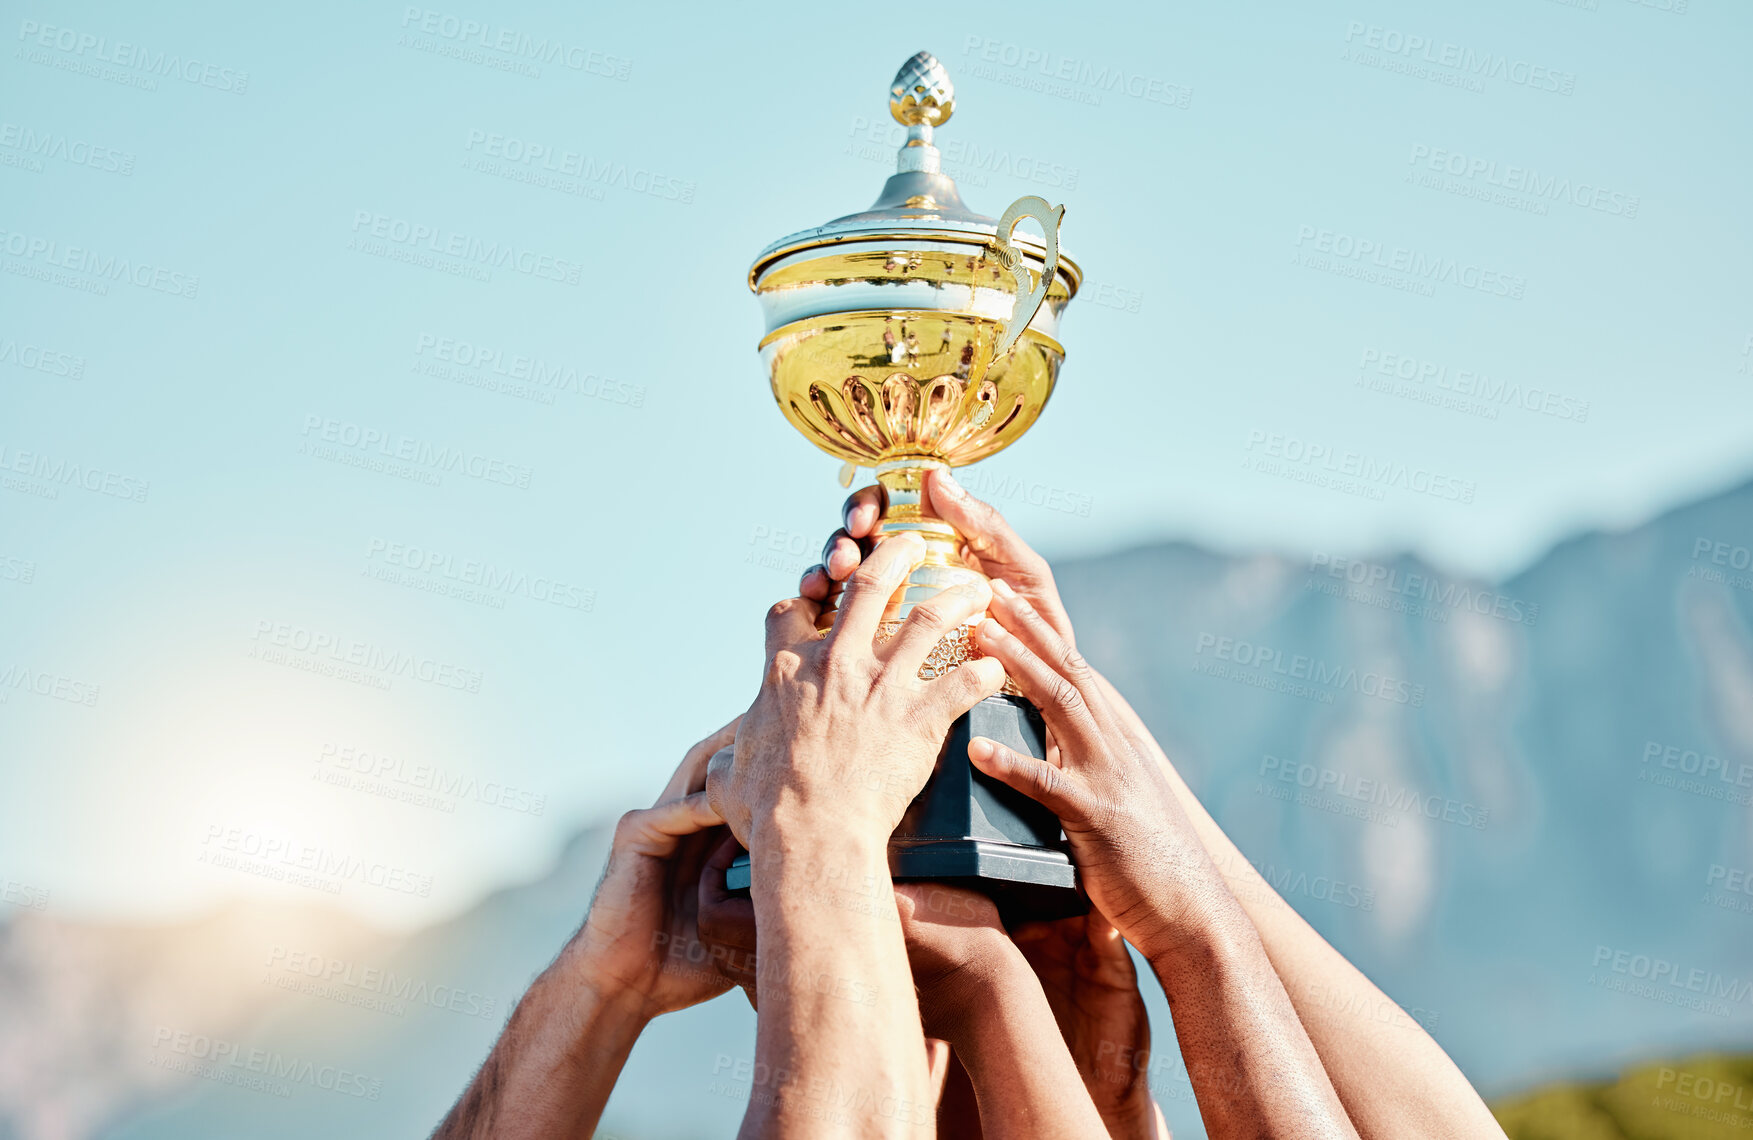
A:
919	201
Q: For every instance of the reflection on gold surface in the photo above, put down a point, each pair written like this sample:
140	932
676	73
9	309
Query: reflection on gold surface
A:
937	261
874	387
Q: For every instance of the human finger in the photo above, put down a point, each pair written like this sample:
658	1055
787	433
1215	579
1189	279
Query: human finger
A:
1018	614
841	555
1061	703
1000	550
657	831
815	584
871	587
930	620
790	623
1037	779
690	775
725	918
965	686
863	509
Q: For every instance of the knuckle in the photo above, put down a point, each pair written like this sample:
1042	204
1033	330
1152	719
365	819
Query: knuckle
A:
783	667
1072	664
976	679
1064	695
930	615
868	576
777	611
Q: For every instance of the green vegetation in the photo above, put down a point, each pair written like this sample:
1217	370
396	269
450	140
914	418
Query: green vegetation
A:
1706	1097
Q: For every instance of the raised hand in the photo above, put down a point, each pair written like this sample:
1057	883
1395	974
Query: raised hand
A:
552	1069
841	737
843	732
640	930
1135	849
1146	868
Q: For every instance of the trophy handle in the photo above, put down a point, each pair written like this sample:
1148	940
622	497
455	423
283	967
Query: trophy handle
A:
1029	294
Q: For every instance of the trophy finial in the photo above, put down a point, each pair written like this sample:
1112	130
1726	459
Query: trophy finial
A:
920	98
922	93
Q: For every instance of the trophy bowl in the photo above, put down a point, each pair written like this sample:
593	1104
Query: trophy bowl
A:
916	334
878	386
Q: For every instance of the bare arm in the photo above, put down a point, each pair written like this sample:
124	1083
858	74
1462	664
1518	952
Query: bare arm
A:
838	1034
551	1071
1087	975
1393	1078
841	737
977	992
1252	1066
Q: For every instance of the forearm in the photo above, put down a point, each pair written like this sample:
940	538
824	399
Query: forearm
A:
1392	1077
1003	1031
1252	1066
552	1069
839	1033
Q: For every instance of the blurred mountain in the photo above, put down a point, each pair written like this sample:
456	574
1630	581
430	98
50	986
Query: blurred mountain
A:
1545	801
1520	806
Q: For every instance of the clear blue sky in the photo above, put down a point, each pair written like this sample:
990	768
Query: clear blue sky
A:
1272	203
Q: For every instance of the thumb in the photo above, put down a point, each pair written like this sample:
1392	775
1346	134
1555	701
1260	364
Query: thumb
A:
658	832
997	548
1037	779
987	534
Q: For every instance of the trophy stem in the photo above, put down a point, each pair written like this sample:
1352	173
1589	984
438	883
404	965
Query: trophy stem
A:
943	568
903	480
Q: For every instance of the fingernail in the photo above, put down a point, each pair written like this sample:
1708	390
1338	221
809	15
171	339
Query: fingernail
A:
981	748
949	483
1002	589
992	629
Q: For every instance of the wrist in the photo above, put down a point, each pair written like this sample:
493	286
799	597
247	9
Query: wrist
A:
800	863
833	798
820	822
989	977
1206	937
581	979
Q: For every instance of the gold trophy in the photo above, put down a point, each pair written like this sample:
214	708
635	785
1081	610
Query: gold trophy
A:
919	334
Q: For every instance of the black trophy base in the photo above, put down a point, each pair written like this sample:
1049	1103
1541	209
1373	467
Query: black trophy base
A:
967	829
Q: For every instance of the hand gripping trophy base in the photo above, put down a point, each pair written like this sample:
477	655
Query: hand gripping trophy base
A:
969	830
965	827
